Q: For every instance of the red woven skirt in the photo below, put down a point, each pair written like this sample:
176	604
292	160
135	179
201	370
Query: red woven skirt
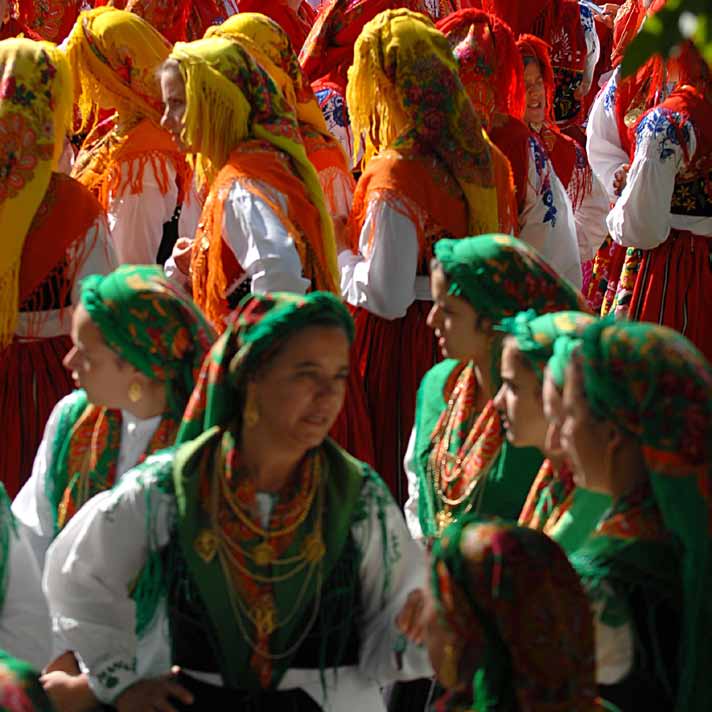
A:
32	381
674	287
352	430
393	356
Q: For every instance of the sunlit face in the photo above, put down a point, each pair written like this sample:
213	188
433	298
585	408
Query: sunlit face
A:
300	393
455	322
536	95
95	367
174	101
553	414
585	439
519	399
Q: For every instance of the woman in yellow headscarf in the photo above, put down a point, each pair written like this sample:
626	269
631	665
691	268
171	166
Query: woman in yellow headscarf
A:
430	171
128	161
45	248
270	45
265	226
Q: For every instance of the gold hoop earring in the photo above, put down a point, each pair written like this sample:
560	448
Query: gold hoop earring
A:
449	666
135	392
251	414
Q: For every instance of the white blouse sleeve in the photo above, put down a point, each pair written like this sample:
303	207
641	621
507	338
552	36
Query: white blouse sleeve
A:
392	566
590	218
24	621
547	220
90	568
261	243
641	217
31	507
593	47
603	143
136	220
381	278
614	643
333	106
410	509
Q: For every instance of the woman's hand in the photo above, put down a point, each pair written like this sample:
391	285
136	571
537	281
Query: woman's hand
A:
410	620
68	693
182	252
620	178
154	695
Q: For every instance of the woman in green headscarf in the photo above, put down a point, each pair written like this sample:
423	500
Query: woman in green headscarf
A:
138	346
458	460
553	505
287	559
638	427
508	624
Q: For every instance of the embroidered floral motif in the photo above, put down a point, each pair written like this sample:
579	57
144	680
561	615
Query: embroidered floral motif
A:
609	96
542	170
333	107
669	129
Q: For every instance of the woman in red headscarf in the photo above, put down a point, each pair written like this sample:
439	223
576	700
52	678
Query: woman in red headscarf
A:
664	213
568	28
295	17
610	139
588	198
51	19
491	71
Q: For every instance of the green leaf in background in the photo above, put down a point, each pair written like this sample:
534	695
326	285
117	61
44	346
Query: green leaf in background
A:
677	21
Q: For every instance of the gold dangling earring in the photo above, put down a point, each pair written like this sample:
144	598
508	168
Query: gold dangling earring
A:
251	414
449	666
135	392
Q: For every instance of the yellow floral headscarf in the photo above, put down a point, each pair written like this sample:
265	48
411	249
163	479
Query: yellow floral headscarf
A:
404	89
115	56
272	42
35	115
230	98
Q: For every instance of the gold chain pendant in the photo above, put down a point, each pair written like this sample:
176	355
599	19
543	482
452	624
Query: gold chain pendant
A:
444	519
314	548
263	554
206	544
264	615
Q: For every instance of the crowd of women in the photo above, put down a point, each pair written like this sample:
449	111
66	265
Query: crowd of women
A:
353	356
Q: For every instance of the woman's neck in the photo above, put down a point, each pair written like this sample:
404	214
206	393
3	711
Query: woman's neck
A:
153	402
629	471
270	468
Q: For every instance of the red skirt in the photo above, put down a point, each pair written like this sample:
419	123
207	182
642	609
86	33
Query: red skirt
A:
393	356
352	430
673	287
32	381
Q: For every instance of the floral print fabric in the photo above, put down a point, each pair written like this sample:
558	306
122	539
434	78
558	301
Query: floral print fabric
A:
481	576
35	112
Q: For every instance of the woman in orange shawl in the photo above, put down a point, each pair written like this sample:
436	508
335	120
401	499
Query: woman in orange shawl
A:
429	172
265	226
129	162
46	248
270	45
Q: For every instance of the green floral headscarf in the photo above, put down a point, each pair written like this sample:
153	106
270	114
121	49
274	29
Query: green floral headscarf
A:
554	503
500	275
652	382
151	325
209	455
262	323
536	335
501	568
